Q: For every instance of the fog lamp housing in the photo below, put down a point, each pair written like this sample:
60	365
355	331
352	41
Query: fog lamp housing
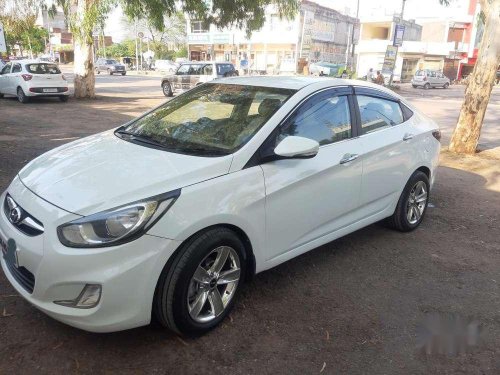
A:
87	299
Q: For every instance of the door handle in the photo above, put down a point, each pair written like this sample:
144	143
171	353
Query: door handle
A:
407	137
348	158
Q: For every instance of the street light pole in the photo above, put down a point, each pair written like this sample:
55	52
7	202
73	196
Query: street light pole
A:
396	54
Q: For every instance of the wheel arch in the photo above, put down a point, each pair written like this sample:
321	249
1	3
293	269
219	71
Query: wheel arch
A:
425	170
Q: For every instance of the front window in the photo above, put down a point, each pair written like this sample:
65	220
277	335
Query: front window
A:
209	120
420	73
43	68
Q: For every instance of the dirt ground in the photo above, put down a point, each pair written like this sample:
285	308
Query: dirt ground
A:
352	306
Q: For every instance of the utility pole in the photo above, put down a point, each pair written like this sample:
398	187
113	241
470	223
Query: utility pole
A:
354	45
396	55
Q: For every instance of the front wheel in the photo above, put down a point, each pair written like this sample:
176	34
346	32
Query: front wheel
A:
427	86
64	98
412	203
124	73
167	89
197	291
446	85
21	96
110	72
414	86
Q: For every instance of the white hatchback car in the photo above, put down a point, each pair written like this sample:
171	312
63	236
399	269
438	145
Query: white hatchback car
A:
29	78
170	213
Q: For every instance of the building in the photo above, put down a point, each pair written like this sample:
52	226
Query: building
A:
60	44
316	33
448	44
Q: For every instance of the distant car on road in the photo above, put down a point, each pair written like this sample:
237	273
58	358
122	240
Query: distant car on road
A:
192	74
167	66
109	66
29	78
430	78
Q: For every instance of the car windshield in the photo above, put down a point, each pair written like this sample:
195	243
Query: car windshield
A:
43	68
420	73
110	62
209	120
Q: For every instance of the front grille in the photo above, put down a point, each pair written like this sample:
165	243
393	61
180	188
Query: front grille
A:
22	220
24	277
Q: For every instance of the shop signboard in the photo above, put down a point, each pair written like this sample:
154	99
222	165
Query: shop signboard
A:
389	59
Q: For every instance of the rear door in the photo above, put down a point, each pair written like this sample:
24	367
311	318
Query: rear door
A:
15	78
308	200
4	78
386	158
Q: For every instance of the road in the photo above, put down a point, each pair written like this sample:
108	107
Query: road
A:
352	306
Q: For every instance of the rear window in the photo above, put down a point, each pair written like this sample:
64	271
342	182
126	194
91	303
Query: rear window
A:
190	69
43	68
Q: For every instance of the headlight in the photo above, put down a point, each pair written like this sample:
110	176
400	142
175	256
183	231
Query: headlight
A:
118	225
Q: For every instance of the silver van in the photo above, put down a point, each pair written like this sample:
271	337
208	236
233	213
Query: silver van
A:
430	78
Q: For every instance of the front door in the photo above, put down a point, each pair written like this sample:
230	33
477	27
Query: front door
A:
5	79
386	156
308	199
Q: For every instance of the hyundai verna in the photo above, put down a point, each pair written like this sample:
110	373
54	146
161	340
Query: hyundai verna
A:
169	214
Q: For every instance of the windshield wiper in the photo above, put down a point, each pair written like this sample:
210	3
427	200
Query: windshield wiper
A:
202	151
140	138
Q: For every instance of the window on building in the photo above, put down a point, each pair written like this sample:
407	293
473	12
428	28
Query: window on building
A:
324	118
198	27
377	113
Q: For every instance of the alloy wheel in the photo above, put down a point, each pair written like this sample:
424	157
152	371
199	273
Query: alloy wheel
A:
417	201
213	284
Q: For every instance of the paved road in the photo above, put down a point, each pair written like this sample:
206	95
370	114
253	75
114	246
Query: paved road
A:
352	306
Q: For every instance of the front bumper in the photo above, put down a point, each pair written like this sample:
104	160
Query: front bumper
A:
127	273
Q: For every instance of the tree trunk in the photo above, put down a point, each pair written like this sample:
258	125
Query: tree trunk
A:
477	93
84	70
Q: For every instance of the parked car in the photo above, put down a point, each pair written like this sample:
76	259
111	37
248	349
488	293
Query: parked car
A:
171	213
29	78
109	66
167	66
192	74
430	78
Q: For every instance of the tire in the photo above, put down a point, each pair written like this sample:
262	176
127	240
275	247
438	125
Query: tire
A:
446	85
1	96
110	72
177	285
167	89
427	86
98	71
21	96
124	74
64	98
414	86
400	219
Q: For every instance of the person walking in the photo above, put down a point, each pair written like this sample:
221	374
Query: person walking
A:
380	78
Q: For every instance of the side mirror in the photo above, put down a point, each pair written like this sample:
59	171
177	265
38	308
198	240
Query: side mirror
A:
297	147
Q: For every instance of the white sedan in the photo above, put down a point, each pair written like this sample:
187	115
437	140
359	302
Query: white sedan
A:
170	214
29	78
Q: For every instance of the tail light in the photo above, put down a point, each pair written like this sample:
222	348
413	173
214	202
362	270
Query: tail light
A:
27	77
437	134
63	77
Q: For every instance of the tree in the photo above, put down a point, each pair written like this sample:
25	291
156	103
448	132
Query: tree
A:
19	20
478	91
85	15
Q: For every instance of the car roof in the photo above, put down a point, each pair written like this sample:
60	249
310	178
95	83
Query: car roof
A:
206	62
30	61
284	82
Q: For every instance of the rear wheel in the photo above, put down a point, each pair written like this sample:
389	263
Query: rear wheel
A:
414	86
21	96
446	85
412	203
110	72
167	89
427	86
197	291
64	98
124	73
97	71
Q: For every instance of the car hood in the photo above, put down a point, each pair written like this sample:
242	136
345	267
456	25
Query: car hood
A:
103	171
